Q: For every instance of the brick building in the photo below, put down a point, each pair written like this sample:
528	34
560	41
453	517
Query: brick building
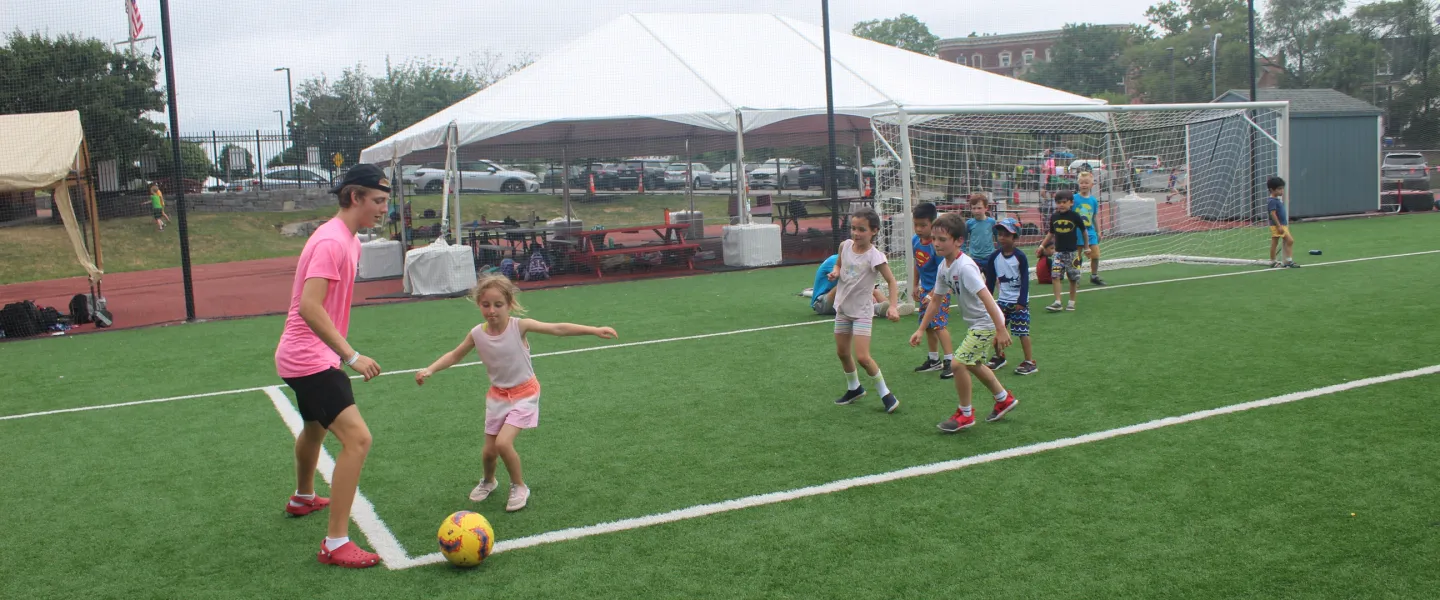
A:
1009	54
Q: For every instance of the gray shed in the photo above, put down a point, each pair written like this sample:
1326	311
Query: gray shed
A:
1334	151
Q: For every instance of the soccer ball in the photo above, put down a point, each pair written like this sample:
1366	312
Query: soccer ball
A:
466	538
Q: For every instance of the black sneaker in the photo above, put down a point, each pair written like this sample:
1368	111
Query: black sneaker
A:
930	364
851	395
891	402
996	362
946	373
1027	368
1095	279
1292	265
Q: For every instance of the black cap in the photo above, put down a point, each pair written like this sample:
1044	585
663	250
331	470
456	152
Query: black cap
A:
364	175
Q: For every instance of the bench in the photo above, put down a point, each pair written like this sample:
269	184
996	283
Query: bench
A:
672	240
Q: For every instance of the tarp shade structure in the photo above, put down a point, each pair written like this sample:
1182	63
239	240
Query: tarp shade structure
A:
645	83
39	151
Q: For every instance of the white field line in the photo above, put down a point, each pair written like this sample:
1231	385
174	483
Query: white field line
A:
362	511
693	512
697	337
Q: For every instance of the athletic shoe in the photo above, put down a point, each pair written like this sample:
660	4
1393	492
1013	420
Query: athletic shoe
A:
930	364
1026	368
1095	279
851	395
891	403
1292	265
1277	265
996	362
347	555
482	491
956	422
1003	407
946	373
1055	307
1070	306
519	495
300	506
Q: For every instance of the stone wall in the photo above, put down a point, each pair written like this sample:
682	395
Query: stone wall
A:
261	201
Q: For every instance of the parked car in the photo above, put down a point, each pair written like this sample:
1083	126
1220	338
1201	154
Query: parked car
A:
629	172
1095	166
290	176
1404	170
723	176
1144	163
808	176
676	176
479	175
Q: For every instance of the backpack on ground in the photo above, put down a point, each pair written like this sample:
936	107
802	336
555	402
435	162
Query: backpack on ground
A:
507	268
21	319
538	269
80	310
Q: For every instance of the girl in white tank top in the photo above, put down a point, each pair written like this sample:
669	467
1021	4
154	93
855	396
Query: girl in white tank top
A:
513	400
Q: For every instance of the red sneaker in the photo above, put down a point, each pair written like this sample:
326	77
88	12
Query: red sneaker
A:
348	555
1003	407
300	507
956	422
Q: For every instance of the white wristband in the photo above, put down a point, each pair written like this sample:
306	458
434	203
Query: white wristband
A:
350	362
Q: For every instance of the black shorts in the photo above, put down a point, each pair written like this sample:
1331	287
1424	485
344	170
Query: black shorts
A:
322	396
157	212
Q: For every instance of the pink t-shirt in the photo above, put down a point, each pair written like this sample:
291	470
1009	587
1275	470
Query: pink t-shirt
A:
853	295
331	253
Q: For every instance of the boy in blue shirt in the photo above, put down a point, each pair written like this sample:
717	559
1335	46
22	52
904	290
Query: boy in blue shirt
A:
1089	207
980	228
1007	272
927	264
1279	223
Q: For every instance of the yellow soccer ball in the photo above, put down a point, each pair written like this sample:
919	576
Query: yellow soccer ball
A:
466	538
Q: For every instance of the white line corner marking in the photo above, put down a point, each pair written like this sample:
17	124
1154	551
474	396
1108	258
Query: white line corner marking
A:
702	510
362	512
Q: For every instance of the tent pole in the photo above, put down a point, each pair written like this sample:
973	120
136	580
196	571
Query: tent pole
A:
690	175
742	185
565	182
907	230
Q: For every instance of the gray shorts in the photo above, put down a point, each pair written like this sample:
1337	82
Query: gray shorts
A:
1065	264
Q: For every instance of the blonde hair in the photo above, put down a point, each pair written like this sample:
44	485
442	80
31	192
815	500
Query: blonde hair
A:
507	288
1083	175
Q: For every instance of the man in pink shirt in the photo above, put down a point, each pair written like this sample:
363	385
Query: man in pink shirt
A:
310	352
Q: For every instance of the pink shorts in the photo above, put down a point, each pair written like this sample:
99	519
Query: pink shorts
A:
518	406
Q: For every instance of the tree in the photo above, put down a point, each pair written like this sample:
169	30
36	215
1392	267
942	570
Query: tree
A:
414	90
222	164
1182	26
1297	32
905	32
113	91
1087	60
338	116
1405	31
195	163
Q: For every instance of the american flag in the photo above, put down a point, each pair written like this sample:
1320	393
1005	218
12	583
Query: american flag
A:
136	25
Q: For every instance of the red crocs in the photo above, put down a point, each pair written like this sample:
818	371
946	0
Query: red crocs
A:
349	556
300	507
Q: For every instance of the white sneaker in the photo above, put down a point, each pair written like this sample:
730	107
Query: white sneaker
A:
1070	306
483	490
1055	307
519	495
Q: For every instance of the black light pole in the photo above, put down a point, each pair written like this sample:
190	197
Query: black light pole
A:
829	172
1171	50
175	159
1254	97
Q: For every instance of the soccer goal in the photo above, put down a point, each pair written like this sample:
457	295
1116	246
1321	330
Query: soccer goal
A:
1176	183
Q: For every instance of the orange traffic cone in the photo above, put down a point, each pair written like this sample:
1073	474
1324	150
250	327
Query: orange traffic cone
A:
867	192
640	183
592	184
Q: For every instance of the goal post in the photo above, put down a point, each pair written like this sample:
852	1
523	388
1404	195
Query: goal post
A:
1176	183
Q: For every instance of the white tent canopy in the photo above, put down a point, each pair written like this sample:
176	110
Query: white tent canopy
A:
647	83
39	151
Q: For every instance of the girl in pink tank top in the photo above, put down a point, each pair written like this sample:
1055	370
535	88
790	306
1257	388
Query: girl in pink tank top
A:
513	400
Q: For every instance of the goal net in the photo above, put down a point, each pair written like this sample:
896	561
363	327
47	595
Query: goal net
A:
1175	184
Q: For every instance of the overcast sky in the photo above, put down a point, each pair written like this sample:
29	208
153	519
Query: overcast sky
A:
225	51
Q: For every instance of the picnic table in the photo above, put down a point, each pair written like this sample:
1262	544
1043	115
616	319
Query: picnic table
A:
670	239
791	211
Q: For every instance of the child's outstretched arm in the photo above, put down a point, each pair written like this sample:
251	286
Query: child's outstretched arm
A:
446	360
565	329
893	313
1002	333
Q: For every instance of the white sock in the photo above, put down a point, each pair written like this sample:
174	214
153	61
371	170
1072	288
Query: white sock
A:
310	496
332	543
1000	397
852	378
967	410
949	357
880	384
934	356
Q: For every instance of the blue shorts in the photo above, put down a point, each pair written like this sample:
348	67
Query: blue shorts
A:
1017	318
1090	238
942	316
